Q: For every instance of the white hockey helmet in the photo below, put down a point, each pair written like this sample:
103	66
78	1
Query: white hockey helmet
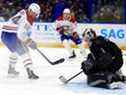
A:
34	7
66	10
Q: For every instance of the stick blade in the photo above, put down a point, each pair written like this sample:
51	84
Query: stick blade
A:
58	61
63	79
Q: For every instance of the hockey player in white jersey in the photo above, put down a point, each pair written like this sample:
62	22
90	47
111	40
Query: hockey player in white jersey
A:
66	25
16	37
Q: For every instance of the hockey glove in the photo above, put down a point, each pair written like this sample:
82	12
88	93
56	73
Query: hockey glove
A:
75	35
31	44
87	65
63	31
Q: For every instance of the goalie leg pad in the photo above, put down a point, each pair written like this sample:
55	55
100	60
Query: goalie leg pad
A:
97	80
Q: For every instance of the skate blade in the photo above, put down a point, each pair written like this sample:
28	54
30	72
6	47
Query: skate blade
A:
33	78
12	75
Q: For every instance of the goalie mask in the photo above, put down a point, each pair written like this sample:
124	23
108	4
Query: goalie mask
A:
89	34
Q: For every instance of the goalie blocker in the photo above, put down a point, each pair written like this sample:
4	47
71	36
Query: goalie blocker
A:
103	63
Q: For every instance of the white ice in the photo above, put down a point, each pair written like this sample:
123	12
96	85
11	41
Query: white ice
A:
49	84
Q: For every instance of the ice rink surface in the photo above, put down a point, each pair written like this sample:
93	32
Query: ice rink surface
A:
49	84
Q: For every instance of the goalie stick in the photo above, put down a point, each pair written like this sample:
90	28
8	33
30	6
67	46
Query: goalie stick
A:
52	63
65	81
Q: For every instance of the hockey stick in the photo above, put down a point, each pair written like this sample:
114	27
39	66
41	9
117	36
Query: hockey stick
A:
65	81
52	63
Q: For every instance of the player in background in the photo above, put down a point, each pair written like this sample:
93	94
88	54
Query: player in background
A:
66	25
103	64
16	37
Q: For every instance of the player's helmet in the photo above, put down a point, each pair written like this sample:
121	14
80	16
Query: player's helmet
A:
89	34
35	8
66	10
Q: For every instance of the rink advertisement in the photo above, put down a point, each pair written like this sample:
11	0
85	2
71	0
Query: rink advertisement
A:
115	32
46	34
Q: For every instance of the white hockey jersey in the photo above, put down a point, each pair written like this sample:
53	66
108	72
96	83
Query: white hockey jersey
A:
70	26
20	23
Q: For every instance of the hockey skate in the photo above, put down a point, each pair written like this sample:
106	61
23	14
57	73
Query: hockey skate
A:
12	72
73	55
31	74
